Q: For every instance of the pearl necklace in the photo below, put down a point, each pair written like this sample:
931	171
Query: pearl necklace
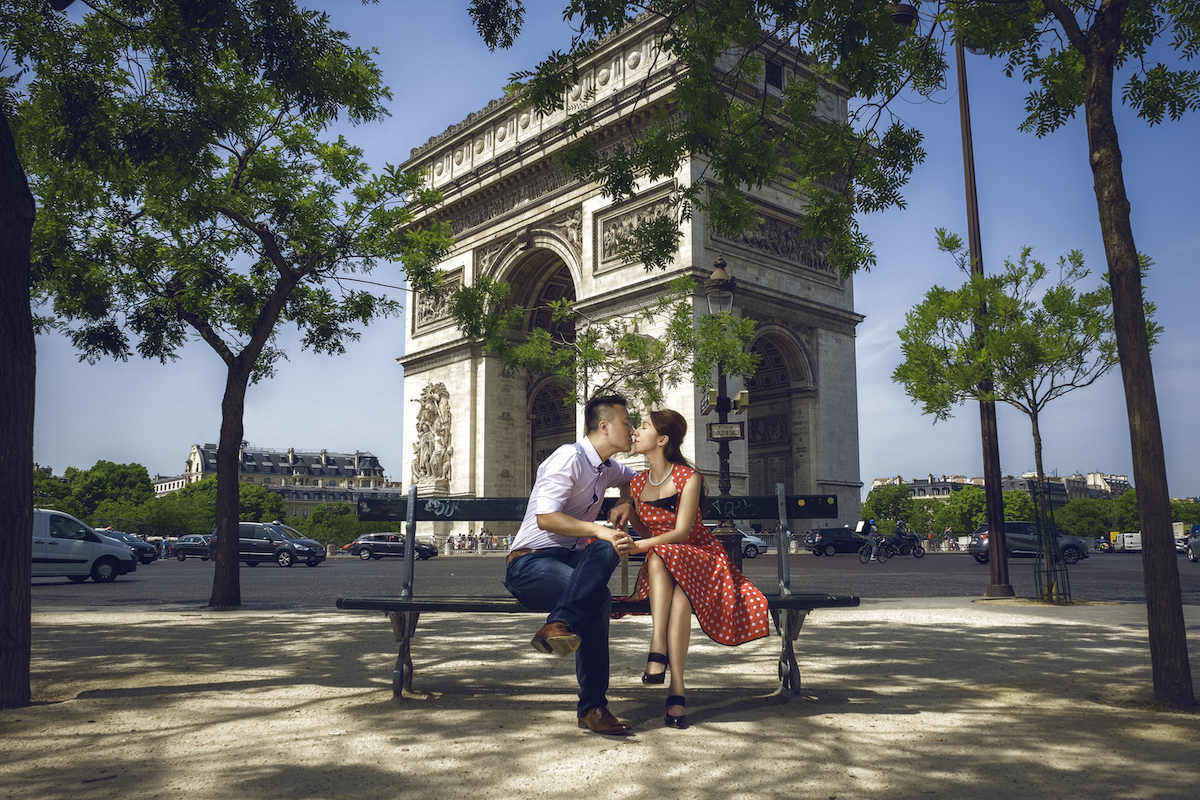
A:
650	477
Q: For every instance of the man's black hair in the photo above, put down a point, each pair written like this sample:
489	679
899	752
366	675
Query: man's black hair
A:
599	408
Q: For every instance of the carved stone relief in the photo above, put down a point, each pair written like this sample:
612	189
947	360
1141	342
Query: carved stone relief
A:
570	225
431	311
783	240
768	430
612	229
485	258
525	193
433	452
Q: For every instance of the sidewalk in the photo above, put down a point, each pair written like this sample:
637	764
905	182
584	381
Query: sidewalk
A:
930	698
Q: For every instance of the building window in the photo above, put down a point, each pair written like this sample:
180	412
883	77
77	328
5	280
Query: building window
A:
775	74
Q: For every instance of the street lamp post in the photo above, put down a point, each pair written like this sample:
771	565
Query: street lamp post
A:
905	15
719	289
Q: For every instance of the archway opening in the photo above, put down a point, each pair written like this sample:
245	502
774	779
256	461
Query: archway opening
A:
540	279
770	450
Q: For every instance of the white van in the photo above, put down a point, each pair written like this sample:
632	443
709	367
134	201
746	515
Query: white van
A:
65	547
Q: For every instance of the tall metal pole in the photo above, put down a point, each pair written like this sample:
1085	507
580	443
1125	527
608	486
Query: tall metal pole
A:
992	490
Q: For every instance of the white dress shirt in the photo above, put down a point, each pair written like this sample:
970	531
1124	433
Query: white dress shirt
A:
572	480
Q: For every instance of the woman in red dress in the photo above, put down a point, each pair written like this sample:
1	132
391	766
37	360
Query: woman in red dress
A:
686	568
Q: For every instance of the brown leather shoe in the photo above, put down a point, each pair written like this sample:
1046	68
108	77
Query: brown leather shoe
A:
600	720
556	637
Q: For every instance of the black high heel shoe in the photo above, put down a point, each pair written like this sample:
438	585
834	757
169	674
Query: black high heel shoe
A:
672	721
657	658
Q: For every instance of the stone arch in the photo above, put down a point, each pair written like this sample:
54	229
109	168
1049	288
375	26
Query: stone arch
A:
793	352
544	272
536	277
782	406
551	421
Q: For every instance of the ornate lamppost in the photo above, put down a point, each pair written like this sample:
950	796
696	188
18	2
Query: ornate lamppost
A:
719	289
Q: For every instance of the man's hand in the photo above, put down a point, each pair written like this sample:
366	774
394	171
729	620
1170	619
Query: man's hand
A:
621	541
620	514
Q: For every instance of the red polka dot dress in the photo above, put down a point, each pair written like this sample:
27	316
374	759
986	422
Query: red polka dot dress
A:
731	610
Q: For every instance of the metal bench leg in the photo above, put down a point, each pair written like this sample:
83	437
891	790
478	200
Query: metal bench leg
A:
788	622
404	626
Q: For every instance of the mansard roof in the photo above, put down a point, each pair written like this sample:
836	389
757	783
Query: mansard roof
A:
267	461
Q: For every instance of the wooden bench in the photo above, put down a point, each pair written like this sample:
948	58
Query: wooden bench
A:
788	610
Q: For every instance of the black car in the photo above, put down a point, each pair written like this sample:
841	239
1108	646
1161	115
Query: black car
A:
828	541
273	541
1020	540
143	551
378	545
191	546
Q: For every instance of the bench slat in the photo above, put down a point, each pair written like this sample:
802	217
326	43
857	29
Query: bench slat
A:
507	605
373	508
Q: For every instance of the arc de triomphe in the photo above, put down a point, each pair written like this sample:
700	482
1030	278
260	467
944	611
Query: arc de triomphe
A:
474	429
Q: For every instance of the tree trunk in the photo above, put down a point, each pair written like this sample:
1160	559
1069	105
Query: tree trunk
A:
227	586
18	366
1164	606
1048	591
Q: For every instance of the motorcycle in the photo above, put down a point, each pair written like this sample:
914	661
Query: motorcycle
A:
906	543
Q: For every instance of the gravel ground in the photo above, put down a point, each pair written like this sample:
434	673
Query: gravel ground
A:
932	698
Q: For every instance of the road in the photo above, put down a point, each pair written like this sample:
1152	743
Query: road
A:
1102	577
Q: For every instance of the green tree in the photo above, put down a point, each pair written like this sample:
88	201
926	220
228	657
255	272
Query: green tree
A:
1018	505
1034	346
203	198
1185	511
169	518
22	26
51	492
255	503
922	519
123	484
1125	513
1085	517
889	506
963	512
1070	51
291	51
336	521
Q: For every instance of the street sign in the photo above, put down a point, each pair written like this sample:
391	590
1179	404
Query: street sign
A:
726	431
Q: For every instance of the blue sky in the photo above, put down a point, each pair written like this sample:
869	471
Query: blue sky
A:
1031	191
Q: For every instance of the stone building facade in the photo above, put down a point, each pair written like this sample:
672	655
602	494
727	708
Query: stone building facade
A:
474	428
304	479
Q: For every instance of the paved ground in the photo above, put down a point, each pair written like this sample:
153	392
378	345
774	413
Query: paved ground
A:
934	698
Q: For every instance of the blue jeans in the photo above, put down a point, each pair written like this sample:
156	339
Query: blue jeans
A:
572	585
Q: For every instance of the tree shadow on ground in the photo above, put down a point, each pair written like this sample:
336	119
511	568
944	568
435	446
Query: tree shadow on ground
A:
959	703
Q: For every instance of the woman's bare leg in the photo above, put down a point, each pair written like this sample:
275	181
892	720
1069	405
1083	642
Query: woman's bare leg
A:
662	587
679	634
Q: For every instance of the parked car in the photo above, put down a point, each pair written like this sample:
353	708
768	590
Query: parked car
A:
272	541
378	545
753	545
194	545
1020	540
145	552
1193	545
65	547
828	541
